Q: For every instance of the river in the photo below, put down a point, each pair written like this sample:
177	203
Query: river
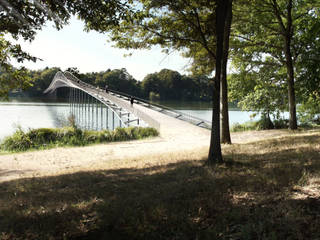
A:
37	114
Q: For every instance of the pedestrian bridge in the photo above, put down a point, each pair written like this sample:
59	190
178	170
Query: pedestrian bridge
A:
96	109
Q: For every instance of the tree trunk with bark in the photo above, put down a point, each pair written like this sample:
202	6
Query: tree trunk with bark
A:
215	155
291	91
290	70
224	114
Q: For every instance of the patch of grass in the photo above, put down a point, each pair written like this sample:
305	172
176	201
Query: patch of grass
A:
247	126
44	138
261	125
266	190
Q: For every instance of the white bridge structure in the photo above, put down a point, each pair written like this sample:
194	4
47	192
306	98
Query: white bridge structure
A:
96	109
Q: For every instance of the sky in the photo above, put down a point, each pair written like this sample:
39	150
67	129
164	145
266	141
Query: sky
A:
91	52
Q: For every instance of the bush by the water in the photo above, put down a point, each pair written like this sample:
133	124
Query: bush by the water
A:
262	124
70	136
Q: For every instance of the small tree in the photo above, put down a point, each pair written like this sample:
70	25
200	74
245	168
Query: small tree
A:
273	28
262	89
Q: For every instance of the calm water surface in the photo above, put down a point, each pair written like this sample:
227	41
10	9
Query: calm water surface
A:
40	114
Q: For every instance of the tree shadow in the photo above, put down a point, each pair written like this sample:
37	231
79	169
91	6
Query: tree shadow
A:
8	172
250	197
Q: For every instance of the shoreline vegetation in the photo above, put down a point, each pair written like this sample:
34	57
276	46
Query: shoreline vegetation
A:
276	124
46	138
266	189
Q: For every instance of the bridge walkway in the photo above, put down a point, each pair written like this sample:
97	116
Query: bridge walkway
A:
170	128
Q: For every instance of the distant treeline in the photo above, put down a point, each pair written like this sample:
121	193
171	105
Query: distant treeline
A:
163	85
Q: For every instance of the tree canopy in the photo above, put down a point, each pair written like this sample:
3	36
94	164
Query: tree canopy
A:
21	19
188	26
271	33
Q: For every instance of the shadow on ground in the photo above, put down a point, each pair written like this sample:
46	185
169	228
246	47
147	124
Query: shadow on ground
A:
249	197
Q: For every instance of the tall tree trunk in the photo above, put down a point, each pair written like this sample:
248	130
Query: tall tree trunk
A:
291	90
215	155
224	114
290	70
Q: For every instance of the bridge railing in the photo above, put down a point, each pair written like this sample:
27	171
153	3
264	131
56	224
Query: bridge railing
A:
160	108
136	112
166	110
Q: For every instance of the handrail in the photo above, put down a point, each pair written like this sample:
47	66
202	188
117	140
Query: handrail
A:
74	82
146	118
61	80
167	110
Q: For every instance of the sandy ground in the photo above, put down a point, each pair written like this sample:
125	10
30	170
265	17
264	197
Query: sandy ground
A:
175	136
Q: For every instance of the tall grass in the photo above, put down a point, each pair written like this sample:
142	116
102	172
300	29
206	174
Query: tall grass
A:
70	136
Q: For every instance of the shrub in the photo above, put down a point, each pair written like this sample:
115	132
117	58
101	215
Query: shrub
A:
42	135
70	136
120	134
281	123
105	136
309	111
91	136
147	132
132	132
237	127
19	141
265	123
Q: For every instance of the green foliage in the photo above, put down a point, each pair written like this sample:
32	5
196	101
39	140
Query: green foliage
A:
186	26
171	85
117	79
21	19
145	132
19	141
260	91
120	134
166	84
154	96
11	78
70	136
309	111
264	123
247	126
281	123
272	35
42	135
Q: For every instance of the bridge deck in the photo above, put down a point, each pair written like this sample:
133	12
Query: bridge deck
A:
169	127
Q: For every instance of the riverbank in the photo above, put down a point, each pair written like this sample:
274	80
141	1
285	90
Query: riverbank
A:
268	188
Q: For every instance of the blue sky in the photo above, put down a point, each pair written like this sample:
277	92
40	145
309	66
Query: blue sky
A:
72	47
